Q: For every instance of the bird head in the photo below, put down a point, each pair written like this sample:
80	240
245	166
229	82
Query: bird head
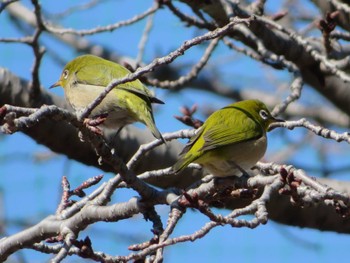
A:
259	112
69	71
63	80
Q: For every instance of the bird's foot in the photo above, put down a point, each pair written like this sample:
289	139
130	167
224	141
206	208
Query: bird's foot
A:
93	123
292	184
191	200
245	193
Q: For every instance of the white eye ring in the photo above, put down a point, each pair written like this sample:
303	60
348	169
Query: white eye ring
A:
263	114
65	74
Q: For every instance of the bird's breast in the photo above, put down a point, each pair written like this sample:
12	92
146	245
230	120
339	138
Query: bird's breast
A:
81	95
246	154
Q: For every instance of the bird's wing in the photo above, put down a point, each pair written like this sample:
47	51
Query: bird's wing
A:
230	131
187	157
192	141
101	75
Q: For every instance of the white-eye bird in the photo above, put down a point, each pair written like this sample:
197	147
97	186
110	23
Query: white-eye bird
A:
85	77
232	139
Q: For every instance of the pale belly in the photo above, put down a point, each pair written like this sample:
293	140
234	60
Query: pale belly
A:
245	155
118	114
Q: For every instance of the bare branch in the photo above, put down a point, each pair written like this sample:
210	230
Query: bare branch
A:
38	52
173	84
5	3
144	148
341	6
24	40
144	39
318	130
100	29
328	65
188	19
74	9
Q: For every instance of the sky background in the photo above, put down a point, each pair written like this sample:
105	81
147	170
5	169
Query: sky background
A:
31	187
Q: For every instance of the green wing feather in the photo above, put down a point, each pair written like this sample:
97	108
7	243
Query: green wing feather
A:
220	129
225	130
101	74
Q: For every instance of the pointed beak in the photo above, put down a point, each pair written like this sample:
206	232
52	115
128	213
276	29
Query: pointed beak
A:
279	120
273	121
56	84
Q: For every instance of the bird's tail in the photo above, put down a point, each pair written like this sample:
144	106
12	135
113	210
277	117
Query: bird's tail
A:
143	112
156	133
150	123
181	164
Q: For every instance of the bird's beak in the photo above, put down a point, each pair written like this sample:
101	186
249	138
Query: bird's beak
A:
56	84
279	120
273	121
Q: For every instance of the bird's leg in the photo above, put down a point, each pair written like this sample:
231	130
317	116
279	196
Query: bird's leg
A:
234	185
116	134
119	130
193	201
188	200
92	123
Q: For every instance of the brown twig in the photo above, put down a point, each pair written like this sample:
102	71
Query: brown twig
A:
327	25
187	117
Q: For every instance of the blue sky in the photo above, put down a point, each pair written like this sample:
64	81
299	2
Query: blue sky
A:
36	185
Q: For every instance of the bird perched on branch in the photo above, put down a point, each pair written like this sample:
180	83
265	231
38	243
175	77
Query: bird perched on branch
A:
232	139
85	77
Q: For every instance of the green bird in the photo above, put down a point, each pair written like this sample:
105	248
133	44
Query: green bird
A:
232	139
85	77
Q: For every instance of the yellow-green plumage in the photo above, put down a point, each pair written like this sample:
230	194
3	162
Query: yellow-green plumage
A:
85	77
232	137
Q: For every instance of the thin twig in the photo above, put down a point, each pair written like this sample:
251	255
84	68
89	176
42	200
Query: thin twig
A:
144	38
173	84
38	52
327	64
188	19
318	130
100	29
5	3
74	9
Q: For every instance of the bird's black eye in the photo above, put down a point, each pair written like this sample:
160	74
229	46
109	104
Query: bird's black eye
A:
263	114
65	74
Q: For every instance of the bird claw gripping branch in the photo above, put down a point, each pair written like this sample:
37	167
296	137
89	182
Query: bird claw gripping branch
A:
92	123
